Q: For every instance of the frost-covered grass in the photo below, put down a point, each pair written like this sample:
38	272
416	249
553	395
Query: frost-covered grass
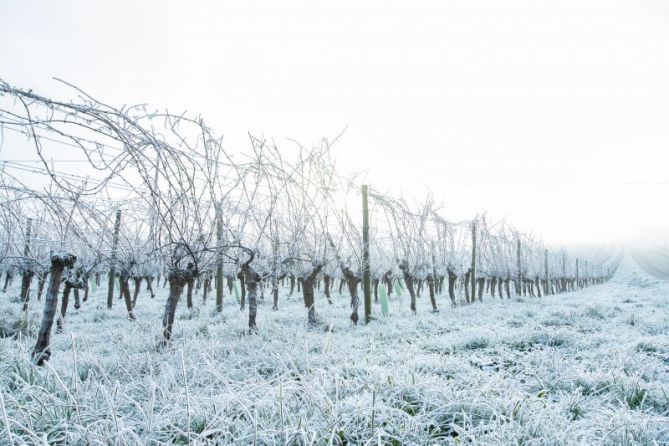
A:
584	368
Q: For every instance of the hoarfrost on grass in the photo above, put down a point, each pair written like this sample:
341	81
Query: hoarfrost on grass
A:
590	367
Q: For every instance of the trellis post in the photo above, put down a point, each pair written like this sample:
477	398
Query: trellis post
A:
519	286
473	278
112	269
366	279
27	274
434	265
548	284
219	260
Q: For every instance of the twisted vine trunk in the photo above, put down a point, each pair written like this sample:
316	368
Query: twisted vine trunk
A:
60	321
207	287
275	292
251	279
242	286
409	281
149	286
308	294
41	352
125	291
388	279
481	283
26	279
77	286
8	279
77	298
138	282
452	277
327	285
430	284
189	293
467	282
352	283
85	299
178	279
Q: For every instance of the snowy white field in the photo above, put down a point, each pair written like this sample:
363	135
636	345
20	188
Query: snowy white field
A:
590	367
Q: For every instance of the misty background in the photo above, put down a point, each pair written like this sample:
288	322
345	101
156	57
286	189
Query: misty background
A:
552	115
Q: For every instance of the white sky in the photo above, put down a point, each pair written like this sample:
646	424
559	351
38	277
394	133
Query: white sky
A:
536	111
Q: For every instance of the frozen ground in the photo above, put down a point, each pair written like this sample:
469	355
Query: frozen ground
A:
584	368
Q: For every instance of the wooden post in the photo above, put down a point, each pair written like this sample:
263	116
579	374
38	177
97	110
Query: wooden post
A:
219	260
519	287
434	266
563	279
112	270
366	279
547	290
275	270
473	277
27	267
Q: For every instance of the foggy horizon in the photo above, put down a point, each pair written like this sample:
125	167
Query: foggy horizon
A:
550	116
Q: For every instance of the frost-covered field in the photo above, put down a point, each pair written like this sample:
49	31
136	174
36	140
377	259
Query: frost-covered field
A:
584	368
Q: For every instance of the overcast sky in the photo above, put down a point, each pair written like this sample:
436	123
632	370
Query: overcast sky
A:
547	113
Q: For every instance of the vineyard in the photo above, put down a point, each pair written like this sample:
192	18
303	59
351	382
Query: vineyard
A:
261	296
